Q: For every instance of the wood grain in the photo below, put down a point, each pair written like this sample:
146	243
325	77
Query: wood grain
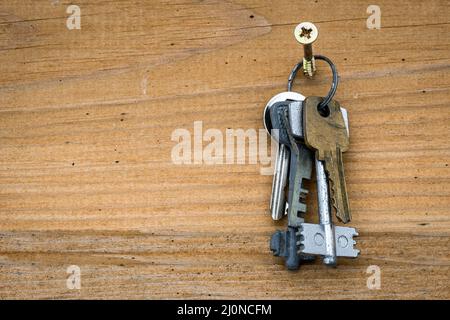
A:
86	176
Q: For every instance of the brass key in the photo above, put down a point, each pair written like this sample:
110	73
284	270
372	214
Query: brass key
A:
327	134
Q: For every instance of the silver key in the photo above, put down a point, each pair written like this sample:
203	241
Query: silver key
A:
278	202
324	238
284	244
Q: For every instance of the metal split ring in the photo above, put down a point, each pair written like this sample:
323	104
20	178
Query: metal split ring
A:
334	84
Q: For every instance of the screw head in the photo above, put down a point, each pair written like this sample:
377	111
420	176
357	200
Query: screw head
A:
306	33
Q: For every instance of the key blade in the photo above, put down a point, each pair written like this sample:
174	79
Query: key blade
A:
278	199
336	176
345	214
300	170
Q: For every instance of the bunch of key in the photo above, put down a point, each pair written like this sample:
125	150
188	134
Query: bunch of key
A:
310	132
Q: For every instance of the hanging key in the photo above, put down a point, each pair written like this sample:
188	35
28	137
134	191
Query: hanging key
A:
285	243
278	196
326	133
287	117
324	238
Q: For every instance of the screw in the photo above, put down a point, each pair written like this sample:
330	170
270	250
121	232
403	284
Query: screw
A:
306	33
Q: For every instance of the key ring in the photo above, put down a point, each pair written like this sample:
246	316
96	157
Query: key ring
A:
334	84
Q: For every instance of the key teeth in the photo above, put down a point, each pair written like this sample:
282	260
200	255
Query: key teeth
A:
299	235
300	244
304	192
301	241
303	197
332	190
333	196
301	238
353	233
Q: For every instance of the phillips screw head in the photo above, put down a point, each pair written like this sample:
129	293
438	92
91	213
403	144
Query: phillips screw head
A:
306	33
